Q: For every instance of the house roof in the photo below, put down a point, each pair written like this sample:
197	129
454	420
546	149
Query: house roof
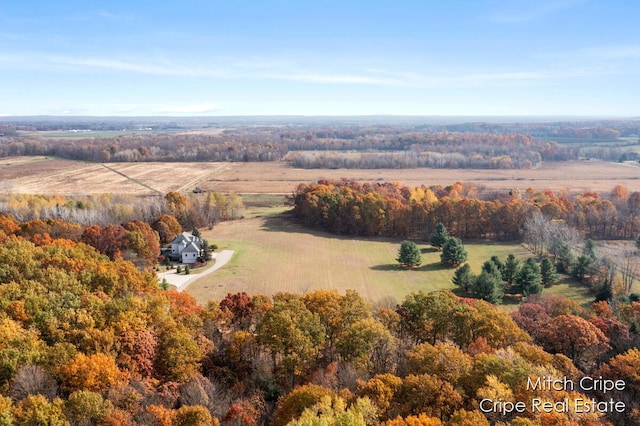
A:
185	236
191	248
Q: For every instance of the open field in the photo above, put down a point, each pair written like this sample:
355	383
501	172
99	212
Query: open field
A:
51	175
43	175
69	134
274	254
573	175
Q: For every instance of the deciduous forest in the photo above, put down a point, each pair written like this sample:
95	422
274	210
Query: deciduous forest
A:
89	339
356	144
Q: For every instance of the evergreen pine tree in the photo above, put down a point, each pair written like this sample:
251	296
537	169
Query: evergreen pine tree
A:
605	293
439	236
499	263
581	267
548	272
206	250
463	277
489	286
529	279
409	255
453	252
510	270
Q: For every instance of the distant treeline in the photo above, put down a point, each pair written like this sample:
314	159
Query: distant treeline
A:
389	209
471	145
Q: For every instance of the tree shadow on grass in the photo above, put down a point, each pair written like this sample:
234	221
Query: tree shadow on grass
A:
436	266
287	222
395	267
389	267
428	250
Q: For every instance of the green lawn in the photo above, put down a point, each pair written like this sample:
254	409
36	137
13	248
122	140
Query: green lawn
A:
273	254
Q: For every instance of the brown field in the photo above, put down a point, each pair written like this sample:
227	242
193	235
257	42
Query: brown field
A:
49	175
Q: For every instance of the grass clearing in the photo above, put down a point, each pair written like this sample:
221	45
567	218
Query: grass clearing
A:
274	254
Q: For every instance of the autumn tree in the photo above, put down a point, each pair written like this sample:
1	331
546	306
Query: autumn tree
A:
367	344
192	415
86	407
167	227
179	356
426	317
425	393
96	372
463	417
37	410
420	420
334	411
292	405
626	367
381	389
143	241
292	334
575	337
109	240
409	255
445	360
18	346
243	309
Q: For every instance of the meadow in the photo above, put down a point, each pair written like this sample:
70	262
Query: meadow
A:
274	254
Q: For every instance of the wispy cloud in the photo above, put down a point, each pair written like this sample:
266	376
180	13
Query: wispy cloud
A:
146	67
288	70
204	108
535	10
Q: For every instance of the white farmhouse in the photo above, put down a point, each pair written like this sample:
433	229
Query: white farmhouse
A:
186	247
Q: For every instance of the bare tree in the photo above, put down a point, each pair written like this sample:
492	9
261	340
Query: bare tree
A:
628	265
33	380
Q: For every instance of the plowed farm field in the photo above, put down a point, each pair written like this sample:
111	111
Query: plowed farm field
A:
42	175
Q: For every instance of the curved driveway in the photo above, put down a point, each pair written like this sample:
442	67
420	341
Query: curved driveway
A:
182	281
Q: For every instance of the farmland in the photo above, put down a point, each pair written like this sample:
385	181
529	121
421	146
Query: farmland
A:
37	175
273	254
268	247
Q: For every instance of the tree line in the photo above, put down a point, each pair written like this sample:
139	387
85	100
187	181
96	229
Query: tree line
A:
390	209
376	146
191	210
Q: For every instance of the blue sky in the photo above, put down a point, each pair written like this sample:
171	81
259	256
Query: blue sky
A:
262	57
